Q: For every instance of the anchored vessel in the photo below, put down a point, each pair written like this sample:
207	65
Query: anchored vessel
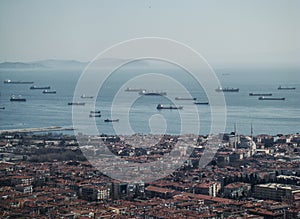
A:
111	120
152	93
8	81
95	115
160	106
286	88
261	95
185	98
95	112
76	103
128	89
49	91
85	96
17	98
201	103
271	98
227	89
41	87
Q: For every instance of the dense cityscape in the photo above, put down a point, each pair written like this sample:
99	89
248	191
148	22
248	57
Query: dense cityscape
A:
47	176
149	109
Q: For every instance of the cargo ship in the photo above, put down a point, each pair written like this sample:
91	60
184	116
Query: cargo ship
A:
185	98
152	93
271	98
95	112
76	103
286	88
49	91
128	89
86	97
17	98
40	88
160	106
8	81
201	103
227	89
95	115
111	120
261	95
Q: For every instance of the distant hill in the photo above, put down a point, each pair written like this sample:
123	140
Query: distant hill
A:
20	65
55	63
67	64
50	63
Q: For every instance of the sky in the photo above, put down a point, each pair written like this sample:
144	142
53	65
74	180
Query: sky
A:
232	32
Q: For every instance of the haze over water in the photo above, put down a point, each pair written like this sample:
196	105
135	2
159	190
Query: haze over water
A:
40	110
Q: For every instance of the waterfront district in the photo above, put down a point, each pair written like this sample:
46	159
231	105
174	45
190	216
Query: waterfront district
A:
47	176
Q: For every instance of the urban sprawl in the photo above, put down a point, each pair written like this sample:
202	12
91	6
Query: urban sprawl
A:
48	176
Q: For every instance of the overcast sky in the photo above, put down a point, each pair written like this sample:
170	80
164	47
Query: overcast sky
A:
223	31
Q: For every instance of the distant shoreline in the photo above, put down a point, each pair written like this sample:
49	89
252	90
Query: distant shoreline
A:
42	129
51	129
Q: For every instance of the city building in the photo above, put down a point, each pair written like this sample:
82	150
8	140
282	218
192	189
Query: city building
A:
276	191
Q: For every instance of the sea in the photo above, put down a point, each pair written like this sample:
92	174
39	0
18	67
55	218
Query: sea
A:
242	110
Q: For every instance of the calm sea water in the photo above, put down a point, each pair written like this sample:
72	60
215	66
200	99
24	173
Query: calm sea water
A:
40	110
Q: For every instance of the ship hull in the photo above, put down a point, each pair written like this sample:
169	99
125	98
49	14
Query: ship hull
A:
49	92
269	98
185	98
111	120
18	100
39	88
18	82
227	90
261	95
201	103
286	88
160	107
133	90
77	104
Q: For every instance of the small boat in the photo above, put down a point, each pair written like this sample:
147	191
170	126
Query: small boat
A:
49	91
286	88
201	103
185	98
271	98
86	97
260	94
227	89
2	107
95	112
111	120
128	89
17	98
39	88
8	81
95	115
152	93
160	106
76	103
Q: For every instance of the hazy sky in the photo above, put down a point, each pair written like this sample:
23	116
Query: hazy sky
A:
223	31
